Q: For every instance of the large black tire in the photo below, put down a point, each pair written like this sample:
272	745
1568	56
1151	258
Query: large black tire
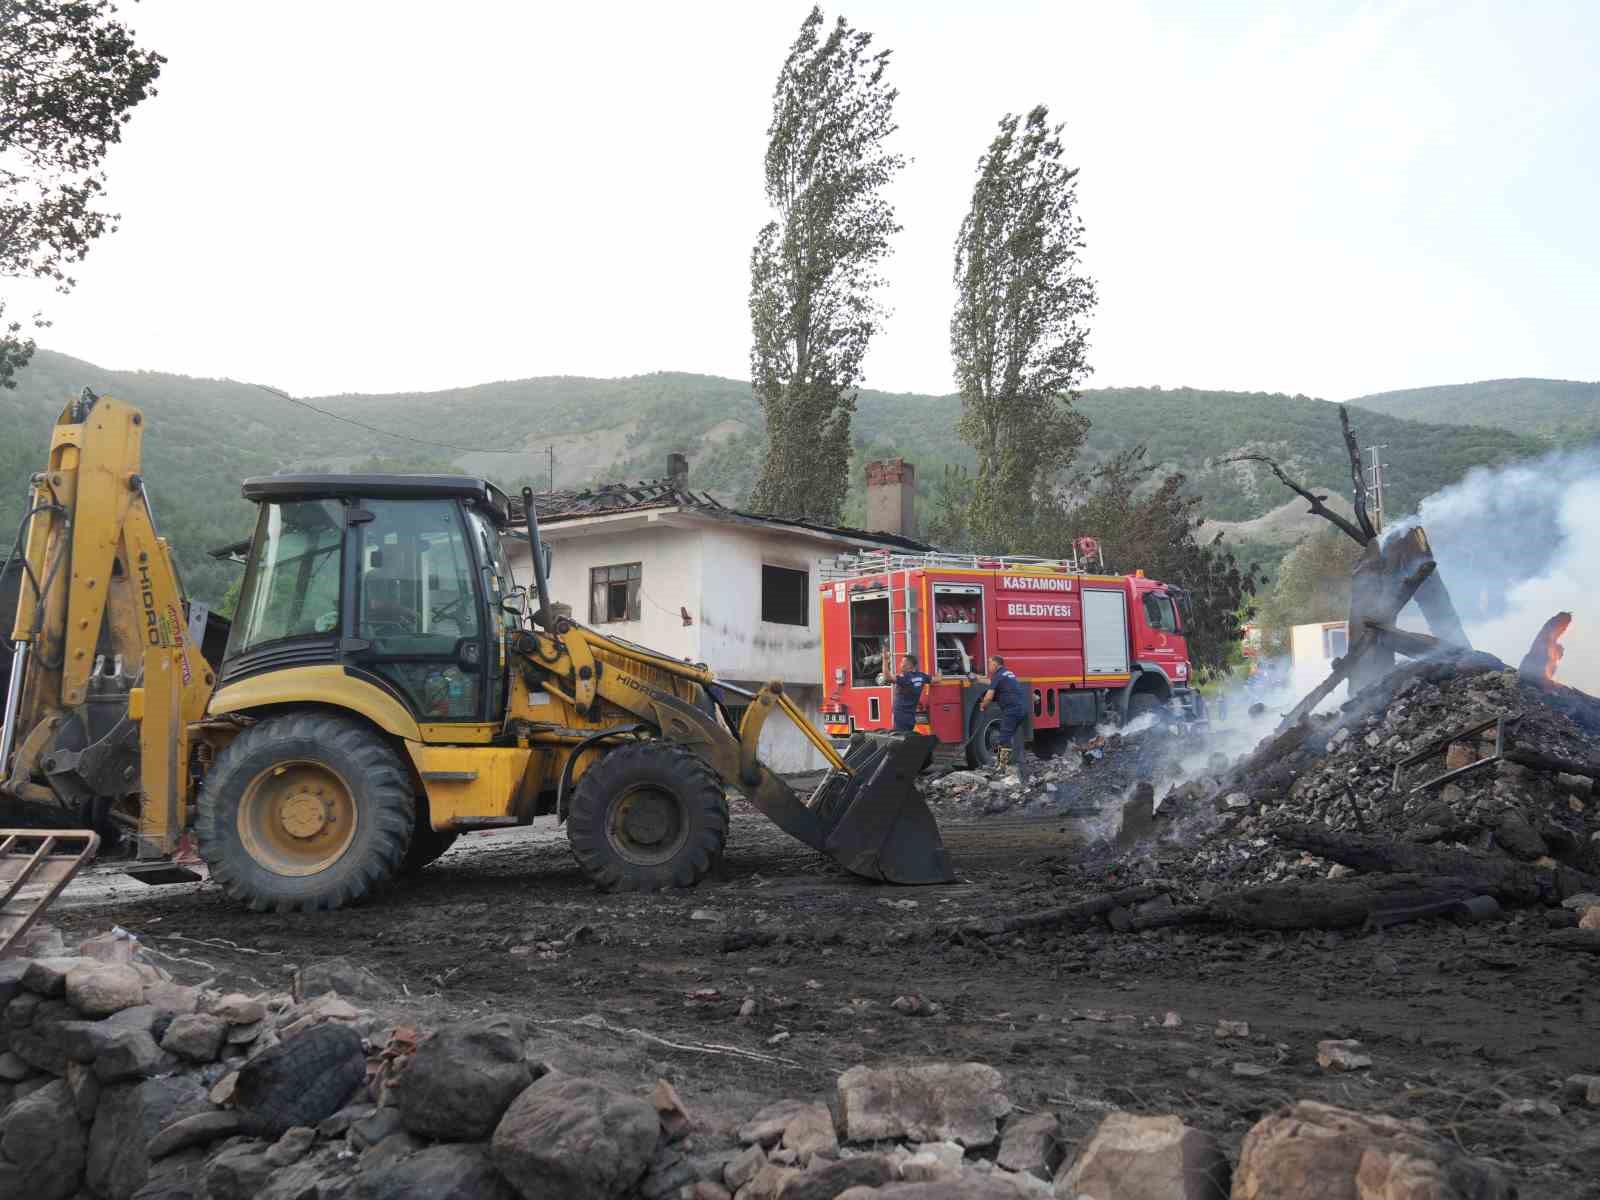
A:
301	1081
329	843
646	817
985	730
427	844
1142	704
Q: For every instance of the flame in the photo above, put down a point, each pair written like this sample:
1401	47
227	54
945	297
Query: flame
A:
1544	656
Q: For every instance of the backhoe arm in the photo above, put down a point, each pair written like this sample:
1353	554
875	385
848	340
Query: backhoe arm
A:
106	676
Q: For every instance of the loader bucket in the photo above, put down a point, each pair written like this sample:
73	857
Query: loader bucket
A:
876	823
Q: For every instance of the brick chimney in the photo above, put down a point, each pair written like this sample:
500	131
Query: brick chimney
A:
892	497
678	471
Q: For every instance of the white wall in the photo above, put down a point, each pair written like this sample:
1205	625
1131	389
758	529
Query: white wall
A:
670	577
715	573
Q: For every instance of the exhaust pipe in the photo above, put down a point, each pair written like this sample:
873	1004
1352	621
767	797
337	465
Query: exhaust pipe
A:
536	548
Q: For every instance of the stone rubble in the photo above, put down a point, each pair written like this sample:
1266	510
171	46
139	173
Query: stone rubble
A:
269	1097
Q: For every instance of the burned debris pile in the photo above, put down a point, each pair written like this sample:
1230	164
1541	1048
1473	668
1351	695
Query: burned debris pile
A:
1451	787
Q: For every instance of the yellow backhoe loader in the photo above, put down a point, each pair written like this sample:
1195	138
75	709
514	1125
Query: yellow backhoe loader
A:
382	688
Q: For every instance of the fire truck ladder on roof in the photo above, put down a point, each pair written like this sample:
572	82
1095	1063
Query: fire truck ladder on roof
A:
873	562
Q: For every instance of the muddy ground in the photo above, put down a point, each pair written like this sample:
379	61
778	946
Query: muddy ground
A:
1457	1020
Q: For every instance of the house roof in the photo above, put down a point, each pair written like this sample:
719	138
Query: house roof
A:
613	499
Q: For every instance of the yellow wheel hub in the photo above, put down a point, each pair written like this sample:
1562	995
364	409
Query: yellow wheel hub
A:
297	818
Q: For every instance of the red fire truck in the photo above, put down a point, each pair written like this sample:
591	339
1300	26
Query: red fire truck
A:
1092	647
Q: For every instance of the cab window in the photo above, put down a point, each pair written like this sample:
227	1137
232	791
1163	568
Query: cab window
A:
292	589
1159	613
417	606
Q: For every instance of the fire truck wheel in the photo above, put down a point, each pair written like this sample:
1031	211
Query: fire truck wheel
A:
1143	704
646	817
985	738
304	811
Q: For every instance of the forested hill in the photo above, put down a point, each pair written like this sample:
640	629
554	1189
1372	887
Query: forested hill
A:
205	435
1562	411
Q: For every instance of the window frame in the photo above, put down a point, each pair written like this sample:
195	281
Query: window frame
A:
805	595
1161	599
633	582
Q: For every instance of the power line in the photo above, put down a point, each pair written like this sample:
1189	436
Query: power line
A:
405	437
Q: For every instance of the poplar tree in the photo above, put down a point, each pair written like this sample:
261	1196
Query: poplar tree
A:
814	268
1017	336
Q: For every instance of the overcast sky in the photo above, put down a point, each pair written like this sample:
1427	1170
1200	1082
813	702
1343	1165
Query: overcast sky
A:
1322	198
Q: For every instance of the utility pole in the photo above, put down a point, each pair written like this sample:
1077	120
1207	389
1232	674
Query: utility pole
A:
1375	484
551	451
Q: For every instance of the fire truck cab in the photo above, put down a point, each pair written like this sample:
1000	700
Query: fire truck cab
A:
1091	647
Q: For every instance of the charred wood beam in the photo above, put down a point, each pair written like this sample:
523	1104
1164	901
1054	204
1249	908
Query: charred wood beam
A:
1318	508
1358	478
1362	644
1404	641
1587	940
1534	760
1070	914
1343	903
1508	882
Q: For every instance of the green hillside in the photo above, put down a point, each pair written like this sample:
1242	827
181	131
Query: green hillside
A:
1558	410
205	435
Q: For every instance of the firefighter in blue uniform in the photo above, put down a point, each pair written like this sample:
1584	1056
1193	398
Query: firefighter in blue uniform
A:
908	687
1006	690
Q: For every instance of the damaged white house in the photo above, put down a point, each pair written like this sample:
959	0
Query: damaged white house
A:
661	565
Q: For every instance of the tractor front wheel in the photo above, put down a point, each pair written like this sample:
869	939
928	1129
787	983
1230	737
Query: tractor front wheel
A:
304	811
648	816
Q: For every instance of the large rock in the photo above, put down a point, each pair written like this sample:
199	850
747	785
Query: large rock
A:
128	1117
575	1138
171	997
129	1053
1313	1149
970	1186
767	1126
196	1130
810	1132
445	1172
98	989
300	1081
41	1136
48	976
238	1173
35	1035
1130	1157
925	1102
12	971
197	1037
463	1078
349	979
1031	1145
824	1183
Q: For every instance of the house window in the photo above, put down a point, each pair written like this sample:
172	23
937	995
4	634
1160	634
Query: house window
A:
1335	643
784	594
614	593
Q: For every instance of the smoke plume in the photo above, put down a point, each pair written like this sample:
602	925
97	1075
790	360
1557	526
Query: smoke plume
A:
1517	544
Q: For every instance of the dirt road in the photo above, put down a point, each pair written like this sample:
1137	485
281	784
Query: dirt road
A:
1458	1021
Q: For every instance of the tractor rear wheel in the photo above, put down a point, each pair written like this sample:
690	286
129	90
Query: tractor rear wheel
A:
303	812
646	817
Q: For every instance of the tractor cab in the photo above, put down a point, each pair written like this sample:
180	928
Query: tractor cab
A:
399	579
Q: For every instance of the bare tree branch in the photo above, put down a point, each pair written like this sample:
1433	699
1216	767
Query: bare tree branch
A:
1311	498
1358	479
